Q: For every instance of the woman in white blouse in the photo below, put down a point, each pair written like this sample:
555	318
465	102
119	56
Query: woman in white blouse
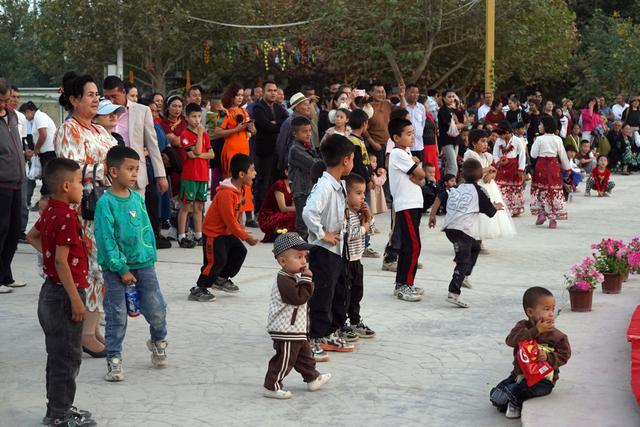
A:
547	200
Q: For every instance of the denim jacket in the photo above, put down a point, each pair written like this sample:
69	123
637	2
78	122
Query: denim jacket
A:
325	210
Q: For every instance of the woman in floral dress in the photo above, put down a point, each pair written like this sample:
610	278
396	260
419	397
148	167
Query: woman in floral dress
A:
87	143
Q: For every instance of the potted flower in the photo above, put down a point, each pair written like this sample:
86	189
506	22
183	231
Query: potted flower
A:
611	261
581	283
633	255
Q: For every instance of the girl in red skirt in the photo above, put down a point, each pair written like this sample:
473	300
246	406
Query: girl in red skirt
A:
278	211
430	138
547	200
510	159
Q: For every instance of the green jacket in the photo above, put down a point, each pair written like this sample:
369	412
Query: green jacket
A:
124	237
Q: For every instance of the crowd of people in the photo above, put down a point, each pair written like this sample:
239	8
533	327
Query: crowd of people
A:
311	173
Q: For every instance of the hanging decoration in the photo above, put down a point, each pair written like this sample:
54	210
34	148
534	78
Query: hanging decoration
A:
131	77
279	53
187	77
206	52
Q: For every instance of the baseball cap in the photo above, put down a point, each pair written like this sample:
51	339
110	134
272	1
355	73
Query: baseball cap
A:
287	241
107	107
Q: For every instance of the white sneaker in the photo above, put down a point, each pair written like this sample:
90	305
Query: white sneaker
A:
319	382
277	394
390	266
455	300
407	293
17	284
418	290
466	283
114	370
5	289
369	252
513	411
158	353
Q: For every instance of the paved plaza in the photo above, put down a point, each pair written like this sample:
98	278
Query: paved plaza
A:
430	364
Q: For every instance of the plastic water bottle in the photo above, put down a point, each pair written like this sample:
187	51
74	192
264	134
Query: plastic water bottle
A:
133	301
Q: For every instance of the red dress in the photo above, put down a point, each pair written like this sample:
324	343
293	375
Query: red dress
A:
270	218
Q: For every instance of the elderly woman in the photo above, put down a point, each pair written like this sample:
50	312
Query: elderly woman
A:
236	129
87	143
107	117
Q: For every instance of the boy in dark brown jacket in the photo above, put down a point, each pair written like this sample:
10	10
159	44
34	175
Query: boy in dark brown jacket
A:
539	306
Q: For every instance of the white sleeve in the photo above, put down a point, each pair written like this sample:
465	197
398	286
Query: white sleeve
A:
496	149
535	148
522	157
38	122
311	214
562	153
402	161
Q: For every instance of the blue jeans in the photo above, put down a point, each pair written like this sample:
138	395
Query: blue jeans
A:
152	306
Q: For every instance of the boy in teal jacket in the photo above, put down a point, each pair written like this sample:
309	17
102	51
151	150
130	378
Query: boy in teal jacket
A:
127	253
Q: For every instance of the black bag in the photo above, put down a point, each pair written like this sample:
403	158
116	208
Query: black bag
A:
90	197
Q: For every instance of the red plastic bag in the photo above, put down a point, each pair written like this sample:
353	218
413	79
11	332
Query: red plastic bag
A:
532	370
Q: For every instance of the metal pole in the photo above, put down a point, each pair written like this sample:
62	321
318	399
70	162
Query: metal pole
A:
120	63
490	47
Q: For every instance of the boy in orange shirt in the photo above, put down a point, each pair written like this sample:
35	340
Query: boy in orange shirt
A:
222	233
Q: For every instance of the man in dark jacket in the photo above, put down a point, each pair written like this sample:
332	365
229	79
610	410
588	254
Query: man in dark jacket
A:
11	177
268	116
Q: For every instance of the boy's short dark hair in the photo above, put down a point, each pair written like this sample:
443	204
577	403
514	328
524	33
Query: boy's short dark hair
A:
476	135
117	155
571	148
532	296
585	141
400	113
299	121
57	171
240	163
447	177
357	118
549	124
601	156
335	148
396	126
354	179
471	170
192	108
428	165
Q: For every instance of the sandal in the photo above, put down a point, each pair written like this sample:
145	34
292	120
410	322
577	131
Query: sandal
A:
455	300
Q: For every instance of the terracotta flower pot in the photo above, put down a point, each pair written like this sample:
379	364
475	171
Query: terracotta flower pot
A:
581	300
612	283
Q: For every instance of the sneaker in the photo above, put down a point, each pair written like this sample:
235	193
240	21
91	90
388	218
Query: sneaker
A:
186	243
165	225
587	193
466	283
114	370
5	289
251	224
369	252
162	242
542	217
348	334
17	284
72	411
553	224
406	293
201	295
390	266
226	285
513	411
607	194
318	353
363	331
334	343
420	265
455	300
277	394
73	420
418	290
22	238
319	382
158	353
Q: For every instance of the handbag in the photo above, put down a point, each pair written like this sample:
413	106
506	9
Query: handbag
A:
90	196
453	130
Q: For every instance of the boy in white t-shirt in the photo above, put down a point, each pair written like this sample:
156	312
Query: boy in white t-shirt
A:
406	178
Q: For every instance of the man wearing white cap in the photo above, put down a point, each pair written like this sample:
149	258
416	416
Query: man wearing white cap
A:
301	107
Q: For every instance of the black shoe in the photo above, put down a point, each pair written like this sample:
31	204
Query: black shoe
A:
251	223
201	295
96	354
186	243
73	420
162	243
73	411
22	238
225	285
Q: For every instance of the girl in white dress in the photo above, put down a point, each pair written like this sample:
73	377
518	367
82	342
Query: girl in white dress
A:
501	225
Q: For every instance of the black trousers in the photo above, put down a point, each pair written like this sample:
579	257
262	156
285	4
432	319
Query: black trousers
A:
222	256
466	249
290	355
355	275
392	249
519	392
63	339
330	299
265	177
301	227
408	225
10	228
45	158
152	202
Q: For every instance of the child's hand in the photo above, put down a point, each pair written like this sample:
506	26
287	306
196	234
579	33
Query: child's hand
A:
542	356
200	129
416	160
432	221
251	240
306	272
544	326
128	278
499	206
77	310
365	212
331	237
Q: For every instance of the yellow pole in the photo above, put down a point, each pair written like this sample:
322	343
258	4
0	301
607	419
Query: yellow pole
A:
490	46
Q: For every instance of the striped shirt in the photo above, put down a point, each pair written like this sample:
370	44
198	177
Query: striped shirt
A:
355	239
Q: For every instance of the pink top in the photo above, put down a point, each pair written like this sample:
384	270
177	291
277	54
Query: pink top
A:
123	125
590	120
